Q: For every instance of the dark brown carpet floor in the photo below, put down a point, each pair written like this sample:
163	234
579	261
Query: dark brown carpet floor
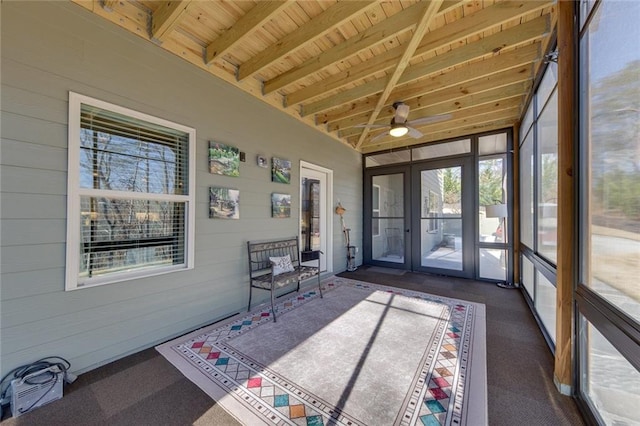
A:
145	389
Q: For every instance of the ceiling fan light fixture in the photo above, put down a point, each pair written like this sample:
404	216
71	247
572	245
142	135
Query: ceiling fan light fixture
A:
397	130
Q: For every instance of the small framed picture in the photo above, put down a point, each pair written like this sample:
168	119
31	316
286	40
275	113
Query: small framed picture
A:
224	159
280	205
262	161
280	170
224	203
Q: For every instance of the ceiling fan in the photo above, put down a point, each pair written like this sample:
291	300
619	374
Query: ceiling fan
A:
399	125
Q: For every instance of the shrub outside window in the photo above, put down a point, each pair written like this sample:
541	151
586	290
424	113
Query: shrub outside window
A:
130	194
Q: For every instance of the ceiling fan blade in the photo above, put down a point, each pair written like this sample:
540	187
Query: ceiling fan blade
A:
378	137
414	133
402	112
429	120
372	126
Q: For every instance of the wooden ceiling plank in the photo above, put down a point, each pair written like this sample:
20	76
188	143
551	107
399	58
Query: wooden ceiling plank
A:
478	22
451	105
488	66
108	5
425	95
255	18
376	34
490	117
435	137
316	27
421	28
515	58
484	108
166	17
533	30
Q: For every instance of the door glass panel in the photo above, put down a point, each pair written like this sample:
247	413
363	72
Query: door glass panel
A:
493	264
310	214
608	380
493	200
388	244
441	218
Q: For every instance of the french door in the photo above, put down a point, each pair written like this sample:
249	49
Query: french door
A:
442	217
415	217
387	238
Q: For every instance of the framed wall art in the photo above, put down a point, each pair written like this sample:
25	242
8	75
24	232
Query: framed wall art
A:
280	205
224	203
280	170
224	159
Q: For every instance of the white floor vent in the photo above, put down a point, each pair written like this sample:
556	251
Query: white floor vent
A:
36	390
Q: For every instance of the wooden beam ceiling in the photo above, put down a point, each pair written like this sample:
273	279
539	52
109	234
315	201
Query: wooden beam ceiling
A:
418	33
337	64
167	17
319	25
255	18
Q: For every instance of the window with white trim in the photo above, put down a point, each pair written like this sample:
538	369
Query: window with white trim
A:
130	210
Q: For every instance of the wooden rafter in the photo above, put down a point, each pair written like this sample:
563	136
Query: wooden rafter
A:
429	94
108	5
338	65
460	75
445	134
376	34
507	114
449	106
255	18
166	17
465	27
418	34
318	26
486	108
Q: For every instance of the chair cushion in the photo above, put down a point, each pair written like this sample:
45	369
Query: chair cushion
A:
281	264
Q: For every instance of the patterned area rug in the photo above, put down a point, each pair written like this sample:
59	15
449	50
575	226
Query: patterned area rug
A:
365	354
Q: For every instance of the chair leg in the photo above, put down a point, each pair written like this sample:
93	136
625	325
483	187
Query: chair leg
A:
250	293
273	309
319	286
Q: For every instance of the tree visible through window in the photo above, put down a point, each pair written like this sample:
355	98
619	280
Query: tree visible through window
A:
130	183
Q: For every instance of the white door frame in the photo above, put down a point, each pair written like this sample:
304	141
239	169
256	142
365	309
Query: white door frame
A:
326	224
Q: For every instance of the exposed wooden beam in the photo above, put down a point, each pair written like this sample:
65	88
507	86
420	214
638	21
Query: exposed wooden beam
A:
512	103
166	17
438	136
376	34
514	36
511	115
566	249
261	13
450	105
418	34
456	114
108	5
429	95
489	66
309	32
456	31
